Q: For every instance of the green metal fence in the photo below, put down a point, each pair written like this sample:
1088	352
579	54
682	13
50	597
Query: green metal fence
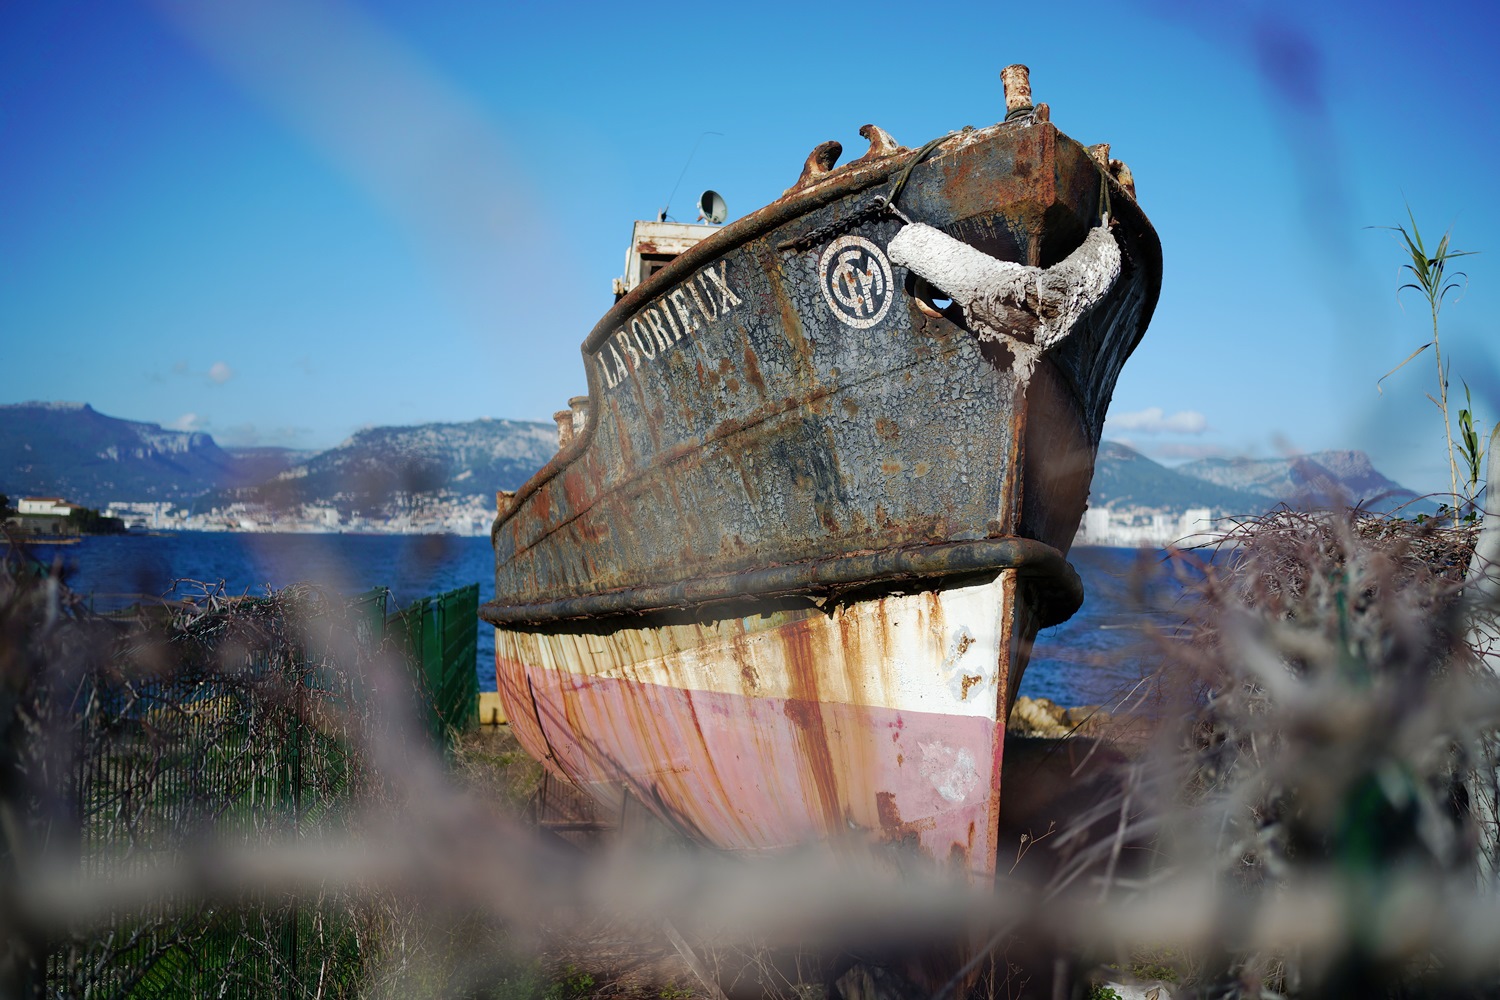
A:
442	639
244	737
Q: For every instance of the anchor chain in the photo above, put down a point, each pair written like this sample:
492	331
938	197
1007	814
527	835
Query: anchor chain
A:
873	209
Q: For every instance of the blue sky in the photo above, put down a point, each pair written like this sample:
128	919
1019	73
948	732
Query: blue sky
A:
280	221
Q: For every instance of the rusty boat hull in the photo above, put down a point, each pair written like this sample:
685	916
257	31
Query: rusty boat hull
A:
782	585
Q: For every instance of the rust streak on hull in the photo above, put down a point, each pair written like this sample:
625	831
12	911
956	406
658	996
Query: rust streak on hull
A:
765	732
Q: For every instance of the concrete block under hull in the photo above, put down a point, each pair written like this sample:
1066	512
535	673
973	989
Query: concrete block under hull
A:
880	719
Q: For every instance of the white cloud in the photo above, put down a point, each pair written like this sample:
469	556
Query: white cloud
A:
1153	420
187	422
218	373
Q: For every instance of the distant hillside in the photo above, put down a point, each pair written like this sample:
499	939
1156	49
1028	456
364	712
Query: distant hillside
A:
1123	477
71	450
1320	479
262	462
381	466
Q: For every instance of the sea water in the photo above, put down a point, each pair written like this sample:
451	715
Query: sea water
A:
1095	658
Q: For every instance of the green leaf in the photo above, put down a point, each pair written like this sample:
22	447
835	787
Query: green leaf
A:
1400	366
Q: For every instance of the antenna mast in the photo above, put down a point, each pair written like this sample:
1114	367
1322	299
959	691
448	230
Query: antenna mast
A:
662	215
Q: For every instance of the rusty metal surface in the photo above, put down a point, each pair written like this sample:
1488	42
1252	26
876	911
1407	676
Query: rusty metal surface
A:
882	719
1016	79
881	144
819	164
1051	579
741	418
783	581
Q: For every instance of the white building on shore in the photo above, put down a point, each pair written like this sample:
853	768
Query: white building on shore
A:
139	516
45	507
1143	526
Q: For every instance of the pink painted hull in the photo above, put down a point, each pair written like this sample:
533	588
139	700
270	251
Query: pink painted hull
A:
882	721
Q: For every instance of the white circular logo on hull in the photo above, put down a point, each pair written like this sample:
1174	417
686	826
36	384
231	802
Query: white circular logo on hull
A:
856	281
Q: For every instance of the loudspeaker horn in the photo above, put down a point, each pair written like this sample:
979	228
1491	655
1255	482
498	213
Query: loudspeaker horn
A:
711	208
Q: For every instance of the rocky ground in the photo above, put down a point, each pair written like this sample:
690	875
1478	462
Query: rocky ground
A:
1044	718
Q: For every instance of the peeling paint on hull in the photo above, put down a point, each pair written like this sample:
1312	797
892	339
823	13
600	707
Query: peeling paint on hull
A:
739	419
883	718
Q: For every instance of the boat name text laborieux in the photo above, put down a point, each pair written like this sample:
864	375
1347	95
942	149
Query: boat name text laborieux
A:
660	326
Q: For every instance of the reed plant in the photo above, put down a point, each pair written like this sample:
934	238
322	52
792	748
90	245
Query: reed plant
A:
1432	280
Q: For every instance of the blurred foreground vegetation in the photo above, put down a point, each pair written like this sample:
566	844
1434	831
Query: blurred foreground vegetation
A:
241	797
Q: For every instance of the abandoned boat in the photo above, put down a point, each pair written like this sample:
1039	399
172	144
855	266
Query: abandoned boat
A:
781	580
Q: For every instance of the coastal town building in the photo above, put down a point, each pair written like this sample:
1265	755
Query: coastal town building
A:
45	517
471	515
1147	526
447	515
45	507
142	516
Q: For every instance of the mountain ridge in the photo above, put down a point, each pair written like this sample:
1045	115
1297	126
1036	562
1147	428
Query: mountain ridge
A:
72	450
1319	479
377	467
1123	477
